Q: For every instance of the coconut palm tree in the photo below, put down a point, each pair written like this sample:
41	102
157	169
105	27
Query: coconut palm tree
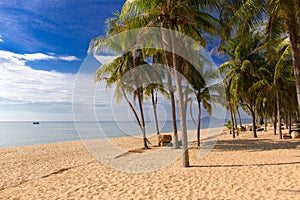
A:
114	72
242	71
179	15
117	68
202	94
156	78
282	19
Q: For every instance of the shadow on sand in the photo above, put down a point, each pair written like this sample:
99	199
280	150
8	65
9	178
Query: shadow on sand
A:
244	165
249	144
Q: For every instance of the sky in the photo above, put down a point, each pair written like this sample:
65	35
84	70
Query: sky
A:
43	45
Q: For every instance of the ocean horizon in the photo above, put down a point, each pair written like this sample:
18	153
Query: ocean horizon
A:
24	133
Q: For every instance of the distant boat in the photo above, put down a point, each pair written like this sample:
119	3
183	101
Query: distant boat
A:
35	122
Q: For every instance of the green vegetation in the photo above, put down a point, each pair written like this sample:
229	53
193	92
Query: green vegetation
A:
260	38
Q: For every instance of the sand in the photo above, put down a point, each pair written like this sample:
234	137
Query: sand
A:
240	168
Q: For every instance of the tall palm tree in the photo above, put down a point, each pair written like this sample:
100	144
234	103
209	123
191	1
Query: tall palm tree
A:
156	78
282	18
202	93
179	15
242	71
117	68
114	72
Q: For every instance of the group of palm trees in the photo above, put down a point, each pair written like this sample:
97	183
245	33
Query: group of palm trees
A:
260	38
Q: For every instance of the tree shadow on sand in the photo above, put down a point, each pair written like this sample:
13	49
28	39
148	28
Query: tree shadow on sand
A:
245	165
250	144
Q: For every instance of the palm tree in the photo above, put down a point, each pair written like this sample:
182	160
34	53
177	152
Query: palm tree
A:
202	93
282	19
114	72
284	16
178	15
242	72
156	77
117	68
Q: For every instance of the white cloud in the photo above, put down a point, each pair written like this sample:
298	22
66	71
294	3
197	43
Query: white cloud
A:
15	57
21	84
1	40
68	58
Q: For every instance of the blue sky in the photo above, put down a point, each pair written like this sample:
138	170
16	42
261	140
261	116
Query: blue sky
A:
42	45
53	27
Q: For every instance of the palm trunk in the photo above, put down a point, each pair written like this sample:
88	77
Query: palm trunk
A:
191	114
143	119
265	123
154	104
139	95
239	116
235	123
141	125
286	121
232	121
253	122
292	26
173	108
182	105
279	115
199	123
290	123
182	114
275	118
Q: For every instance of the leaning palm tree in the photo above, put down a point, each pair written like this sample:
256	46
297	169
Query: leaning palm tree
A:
117	68
183	16
114	72
155	87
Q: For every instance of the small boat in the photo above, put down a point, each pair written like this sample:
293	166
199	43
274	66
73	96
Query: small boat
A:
35	122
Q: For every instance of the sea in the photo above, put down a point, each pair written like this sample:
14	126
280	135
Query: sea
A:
26	133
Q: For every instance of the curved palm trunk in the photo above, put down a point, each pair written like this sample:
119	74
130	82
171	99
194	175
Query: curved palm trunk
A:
154	104
141	125
143	119
139	95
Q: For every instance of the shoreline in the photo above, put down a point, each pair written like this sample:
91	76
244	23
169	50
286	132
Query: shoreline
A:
101	137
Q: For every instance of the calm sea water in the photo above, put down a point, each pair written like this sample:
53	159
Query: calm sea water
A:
25	133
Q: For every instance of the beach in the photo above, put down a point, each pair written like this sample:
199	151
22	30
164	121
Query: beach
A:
240	168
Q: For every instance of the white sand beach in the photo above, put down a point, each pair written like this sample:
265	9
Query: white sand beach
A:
240	168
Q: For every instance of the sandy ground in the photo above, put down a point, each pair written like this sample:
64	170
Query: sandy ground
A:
241	168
